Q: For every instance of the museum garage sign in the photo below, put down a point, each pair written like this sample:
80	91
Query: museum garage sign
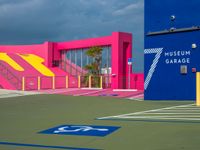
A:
177	57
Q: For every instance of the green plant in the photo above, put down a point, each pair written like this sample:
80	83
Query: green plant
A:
94	69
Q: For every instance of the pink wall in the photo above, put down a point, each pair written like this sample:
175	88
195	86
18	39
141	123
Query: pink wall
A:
137	81
5	83
42	50
120	55
120	42
85	43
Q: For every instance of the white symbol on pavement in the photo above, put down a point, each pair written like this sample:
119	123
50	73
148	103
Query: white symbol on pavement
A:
77	129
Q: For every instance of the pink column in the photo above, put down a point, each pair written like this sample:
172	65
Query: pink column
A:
51	53
121	51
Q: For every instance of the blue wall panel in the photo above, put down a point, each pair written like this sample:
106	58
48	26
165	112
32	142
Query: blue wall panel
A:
163	79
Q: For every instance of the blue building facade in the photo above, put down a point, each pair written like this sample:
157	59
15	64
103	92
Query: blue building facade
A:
172	49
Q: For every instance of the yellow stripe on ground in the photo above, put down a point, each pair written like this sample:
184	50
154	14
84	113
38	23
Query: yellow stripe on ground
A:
4	57
36	62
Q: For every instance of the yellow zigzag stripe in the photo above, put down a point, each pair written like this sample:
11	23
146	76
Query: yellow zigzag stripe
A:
4	57
36	62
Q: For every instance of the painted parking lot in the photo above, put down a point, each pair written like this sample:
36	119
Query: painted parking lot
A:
24	117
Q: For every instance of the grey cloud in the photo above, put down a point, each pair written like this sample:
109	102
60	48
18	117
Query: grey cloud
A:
129	9
36	21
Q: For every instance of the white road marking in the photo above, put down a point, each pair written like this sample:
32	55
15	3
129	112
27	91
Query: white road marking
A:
61	91
177	110
185	108
158	117
164	118
141	112
174	113
87	93
188	112
137	96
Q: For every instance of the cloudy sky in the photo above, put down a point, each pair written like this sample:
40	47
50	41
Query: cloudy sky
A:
36	21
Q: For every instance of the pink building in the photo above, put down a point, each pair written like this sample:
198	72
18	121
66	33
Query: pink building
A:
61	64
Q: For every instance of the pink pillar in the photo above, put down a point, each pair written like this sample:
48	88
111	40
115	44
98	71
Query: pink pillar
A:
47	54
121	51
51	53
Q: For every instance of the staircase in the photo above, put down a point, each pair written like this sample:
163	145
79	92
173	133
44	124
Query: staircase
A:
10	77
71	68
31	72
73	72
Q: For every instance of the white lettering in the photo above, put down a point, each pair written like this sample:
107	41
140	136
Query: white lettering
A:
178	53
187	53
178	57
188	60
175	61
183	60
182	53
166	54
178	61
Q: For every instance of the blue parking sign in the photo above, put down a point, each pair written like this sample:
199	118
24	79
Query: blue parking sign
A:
130	61
83	130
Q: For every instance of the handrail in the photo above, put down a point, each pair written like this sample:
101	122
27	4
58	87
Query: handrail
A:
9	74
67	63
76	67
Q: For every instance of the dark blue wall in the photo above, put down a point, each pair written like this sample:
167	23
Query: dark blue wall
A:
166	82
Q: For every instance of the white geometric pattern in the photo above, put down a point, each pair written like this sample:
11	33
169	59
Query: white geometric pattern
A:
188	112
158	52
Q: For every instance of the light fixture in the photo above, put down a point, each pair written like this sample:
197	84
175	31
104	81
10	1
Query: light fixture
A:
194	45
173	17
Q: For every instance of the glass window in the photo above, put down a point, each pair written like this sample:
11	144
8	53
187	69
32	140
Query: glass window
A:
73	56
68	61
78	58
84	58
68	55
104	58
109	56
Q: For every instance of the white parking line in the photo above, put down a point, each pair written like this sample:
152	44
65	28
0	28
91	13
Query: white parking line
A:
136	96
163	118
58	91
186	108
88	93
144	112
174	113
131	117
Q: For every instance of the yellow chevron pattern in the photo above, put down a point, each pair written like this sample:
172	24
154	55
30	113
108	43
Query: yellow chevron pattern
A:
4	57
37	63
